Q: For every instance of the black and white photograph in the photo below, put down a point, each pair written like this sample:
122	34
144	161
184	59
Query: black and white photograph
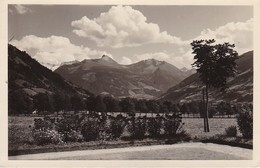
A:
130	82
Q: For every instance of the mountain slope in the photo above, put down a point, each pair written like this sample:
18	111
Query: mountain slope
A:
28	77
240	88
145	79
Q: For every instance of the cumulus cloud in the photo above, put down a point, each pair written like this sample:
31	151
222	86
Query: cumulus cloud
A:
121	26
21	9
239	33
54	50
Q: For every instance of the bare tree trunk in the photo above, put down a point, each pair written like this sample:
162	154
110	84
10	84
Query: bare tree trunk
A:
207	109
203	108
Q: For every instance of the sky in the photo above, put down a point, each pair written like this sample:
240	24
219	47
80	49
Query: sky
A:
53	34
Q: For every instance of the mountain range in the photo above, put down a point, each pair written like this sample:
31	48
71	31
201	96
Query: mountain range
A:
145	79
240	87
27	77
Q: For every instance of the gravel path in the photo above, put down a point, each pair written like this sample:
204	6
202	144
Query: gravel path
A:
184	151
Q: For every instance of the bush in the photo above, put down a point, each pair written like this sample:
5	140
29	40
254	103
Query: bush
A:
172	125
90	129
180	136
45	123
154	127
137	128
117	127
72	136
245	124
46	136
68	127
231	131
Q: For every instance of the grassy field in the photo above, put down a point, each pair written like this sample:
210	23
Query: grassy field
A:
20	129
194	126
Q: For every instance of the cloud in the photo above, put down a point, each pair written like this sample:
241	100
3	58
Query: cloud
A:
175	58
239	33
54	50
21	9
121	26
161	56
126	61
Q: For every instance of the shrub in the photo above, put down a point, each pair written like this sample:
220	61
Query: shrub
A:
231	131
72	136
172	125
46	136
68	127
90	129
117	127
45	123
137	127
245	124
154	127
180	136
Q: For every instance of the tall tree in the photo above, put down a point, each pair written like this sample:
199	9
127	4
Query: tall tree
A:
215	63
100	106
127	105
42	102
77	103
153	106
112	104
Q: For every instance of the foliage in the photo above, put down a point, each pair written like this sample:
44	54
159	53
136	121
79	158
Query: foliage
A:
180	136
137	127
46	136
69	127
214	62
172	124
245	124
90	129
42	102
77	103
111	104
127	105
154	126
100	106
231	131
117	127
18	102
141	106
72	136
153	106
45	123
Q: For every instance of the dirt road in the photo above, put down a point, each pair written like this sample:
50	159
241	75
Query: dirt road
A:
184	151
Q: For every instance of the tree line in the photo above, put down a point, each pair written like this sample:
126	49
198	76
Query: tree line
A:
50	103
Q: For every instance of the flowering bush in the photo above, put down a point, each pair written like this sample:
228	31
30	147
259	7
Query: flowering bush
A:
68	126
46	136
72	136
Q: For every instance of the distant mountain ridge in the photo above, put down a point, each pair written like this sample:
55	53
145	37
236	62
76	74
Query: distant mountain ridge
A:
144	79
240	88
